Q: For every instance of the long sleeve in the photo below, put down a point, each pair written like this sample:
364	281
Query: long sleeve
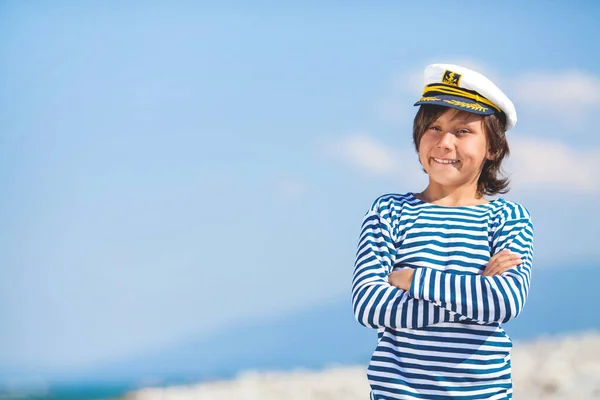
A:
495	299
375	302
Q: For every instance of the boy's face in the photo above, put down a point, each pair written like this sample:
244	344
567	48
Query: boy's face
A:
453	148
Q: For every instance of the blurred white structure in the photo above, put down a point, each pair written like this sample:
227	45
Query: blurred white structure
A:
564	368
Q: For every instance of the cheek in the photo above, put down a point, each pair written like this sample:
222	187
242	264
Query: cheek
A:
424	145
475	150
422	152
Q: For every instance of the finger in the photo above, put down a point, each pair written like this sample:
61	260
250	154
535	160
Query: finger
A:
513	262
501	261
490	269
501	267
511	258
500	253
501	270
494	271
493	268
504	252
497	271
503	256
505	267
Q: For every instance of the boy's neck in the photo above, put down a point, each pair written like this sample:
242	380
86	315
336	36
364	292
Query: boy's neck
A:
451	197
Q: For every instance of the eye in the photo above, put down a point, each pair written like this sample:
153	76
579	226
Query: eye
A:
435	128
463	131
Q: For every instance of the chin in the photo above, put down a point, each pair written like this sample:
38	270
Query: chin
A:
447	183
445	180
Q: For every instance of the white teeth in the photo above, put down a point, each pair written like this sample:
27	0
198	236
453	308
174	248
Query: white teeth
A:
445	161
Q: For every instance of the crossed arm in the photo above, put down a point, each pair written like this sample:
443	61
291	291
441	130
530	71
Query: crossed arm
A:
375	302
428	296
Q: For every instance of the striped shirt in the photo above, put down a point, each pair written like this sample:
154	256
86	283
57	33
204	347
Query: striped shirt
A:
441	339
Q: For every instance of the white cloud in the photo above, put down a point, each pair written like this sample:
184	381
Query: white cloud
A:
409	82
396	106
568	95
538	163
364	152
375	158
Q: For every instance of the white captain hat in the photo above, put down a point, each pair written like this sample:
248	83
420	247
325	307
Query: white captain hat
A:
458	87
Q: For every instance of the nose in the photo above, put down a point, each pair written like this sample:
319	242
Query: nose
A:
446	141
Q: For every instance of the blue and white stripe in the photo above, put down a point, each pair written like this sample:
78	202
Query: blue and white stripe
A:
442	339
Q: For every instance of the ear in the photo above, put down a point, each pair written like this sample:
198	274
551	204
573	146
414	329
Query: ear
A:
490	155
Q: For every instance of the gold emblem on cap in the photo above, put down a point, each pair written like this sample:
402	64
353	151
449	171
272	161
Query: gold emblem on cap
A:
451	78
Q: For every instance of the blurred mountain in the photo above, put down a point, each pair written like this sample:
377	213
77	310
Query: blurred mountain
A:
561	300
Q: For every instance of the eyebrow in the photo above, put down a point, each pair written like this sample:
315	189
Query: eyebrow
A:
465	120
462	116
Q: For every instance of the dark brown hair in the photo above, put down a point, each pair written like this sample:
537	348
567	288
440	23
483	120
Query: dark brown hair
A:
490	181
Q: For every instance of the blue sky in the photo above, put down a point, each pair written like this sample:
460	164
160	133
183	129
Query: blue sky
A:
173	169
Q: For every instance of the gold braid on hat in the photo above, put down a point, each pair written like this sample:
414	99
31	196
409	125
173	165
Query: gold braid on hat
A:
455	91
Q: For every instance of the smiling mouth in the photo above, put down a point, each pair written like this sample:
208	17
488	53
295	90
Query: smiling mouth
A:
445	161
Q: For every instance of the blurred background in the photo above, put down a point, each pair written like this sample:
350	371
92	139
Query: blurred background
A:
183	183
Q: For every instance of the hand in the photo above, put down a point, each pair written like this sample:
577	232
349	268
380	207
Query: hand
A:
402	278
501	262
